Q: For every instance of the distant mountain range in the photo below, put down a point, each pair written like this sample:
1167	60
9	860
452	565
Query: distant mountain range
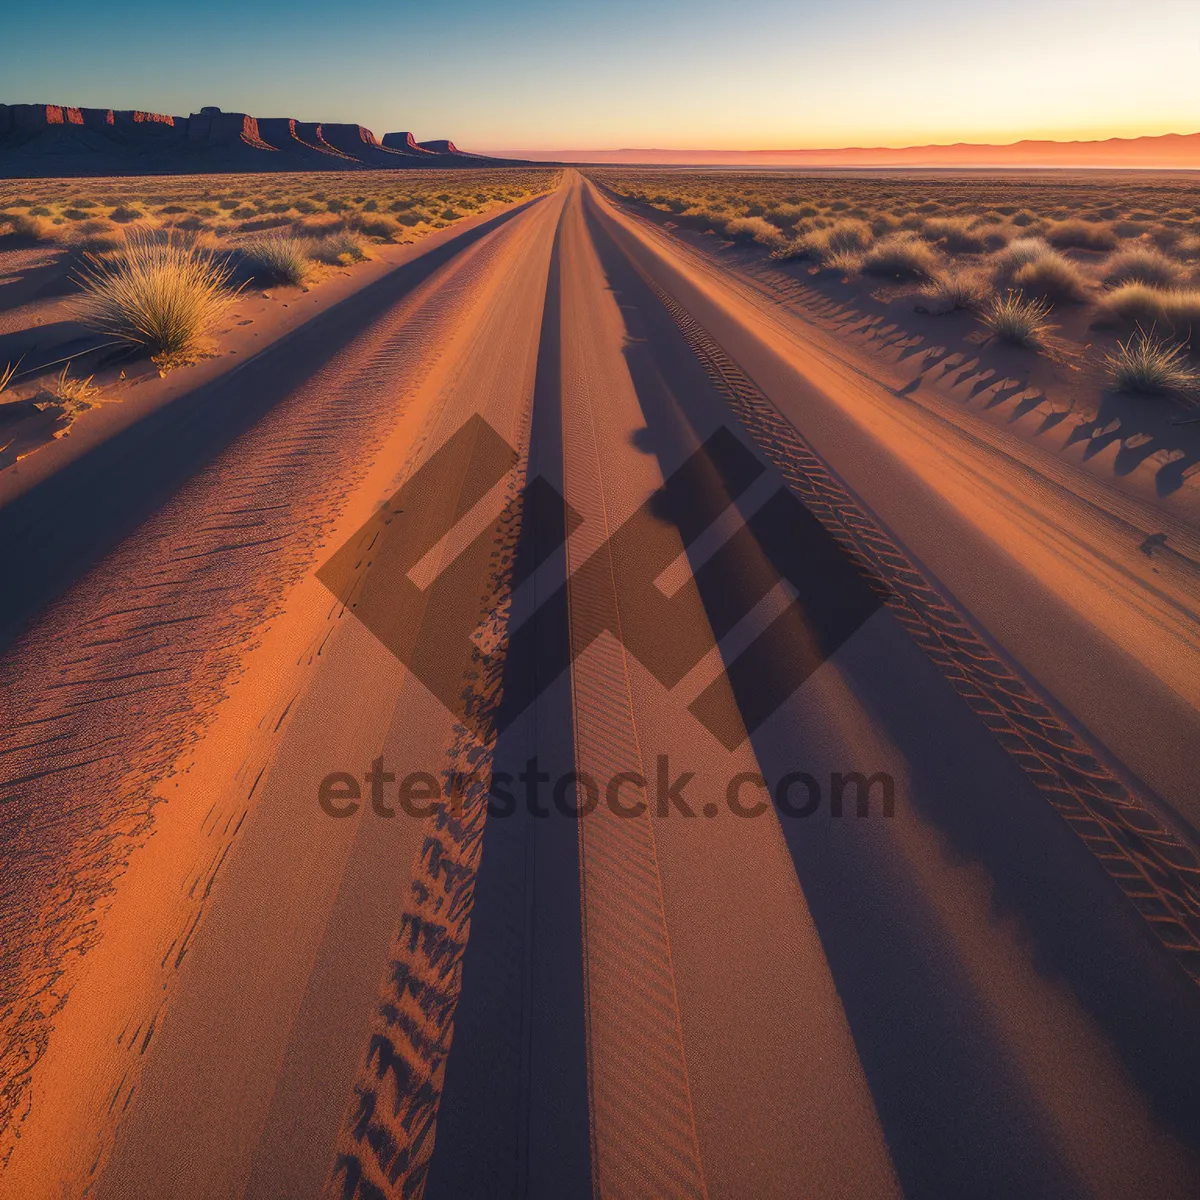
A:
52	140
1168	151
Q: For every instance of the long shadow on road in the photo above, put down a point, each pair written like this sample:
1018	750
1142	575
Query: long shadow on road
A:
958	1115
513	1119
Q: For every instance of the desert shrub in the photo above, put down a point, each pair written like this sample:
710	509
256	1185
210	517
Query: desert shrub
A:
1176	309
1188	246
846	234
955	234
337	249
1080	235
1140	264
843	240
1052	277
277	258
900	256
795	250
784	216
1016	319
259	223
26	226
380	226
753	229
843	262
76	395
1018	253
163	295
172	210
319	225
97	237
702	218
124	214
955	290
1148	365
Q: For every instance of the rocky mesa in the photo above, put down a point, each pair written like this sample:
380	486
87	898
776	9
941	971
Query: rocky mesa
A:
52	139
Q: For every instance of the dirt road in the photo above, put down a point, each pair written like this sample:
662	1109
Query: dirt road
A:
883	738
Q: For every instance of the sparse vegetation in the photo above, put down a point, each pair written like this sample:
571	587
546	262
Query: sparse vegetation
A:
75	395
1052	277
956	290
277	258
26	225
1145	364
901	256
337	249
753	229
163	295
1017	320
1141	264
1080	235
1176	309
228	205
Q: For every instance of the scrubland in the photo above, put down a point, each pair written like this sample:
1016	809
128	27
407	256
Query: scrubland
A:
1109	262
376	205
151	266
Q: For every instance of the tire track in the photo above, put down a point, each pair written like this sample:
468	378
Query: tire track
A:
1156	870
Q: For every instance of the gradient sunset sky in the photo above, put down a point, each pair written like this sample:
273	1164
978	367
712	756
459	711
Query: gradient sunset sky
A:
547	74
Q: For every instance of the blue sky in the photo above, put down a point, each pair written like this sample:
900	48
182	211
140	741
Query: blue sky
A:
535	74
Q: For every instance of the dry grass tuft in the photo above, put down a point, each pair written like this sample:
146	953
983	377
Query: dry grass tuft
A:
830	245
1017	254
1148	365
386	228
753	229
75	395
1051	277
845	263
954	291
163	295
277	258
28	226
1017	320
901	256
1177	309
337	249
1141	264
1080	235
959	235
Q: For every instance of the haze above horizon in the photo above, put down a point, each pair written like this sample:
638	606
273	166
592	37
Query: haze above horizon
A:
539	75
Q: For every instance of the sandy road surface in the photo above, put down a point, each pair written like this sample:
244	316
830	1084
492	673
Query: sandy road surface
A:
727	563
